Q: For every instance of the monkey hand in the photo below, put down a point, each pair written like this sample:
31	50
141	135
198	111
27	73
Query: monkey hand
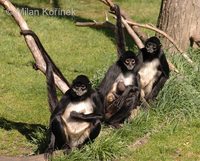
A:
110	97
85	117
76	115
121	87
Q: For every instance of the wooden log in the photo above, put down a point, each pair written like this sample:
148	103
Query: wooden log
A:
30	158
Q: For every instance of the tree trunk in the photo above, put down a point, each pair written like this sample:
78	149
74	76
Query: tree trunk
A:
180	19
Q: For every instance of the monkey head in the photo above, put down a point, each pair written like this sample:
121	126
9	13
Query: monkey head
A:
81	85
153	45
128	60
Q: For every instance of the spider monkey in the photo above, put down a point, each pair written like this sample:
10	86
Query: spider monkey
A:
121	86
155	69
76	118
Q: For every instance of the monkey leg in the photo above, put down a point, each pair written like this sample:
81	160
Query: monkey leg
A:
113	108
127	103
95	129
119	117
59	132
49	151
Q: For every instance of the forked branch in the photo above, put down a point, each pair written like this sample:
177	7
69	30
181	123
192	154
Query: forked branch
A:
136	29
31	43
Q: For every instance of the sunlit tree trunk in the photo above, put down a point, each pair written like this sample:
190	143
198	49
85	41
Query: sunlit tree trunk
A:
181	20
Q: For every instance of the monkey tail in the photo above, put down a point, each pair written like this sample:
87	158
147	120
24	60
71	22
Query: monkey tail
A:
51	88
44	53
119	32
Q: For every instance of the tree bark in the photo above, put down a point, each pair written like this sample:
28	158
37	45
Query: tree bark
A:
180	19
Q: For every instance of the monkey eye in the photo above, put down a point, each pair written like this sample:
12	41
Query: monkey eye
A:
147	45
76	87
154	46
83	87
127	61
133	61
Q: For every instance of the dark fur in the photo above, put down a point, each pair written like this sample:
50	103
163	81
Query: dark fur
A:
126	102
58	138
163	67
121	108
56	125
119	32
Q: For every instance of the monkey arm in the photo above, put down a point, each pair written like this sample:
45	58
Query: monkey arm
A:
164	64
127	102
85	117
158	86
96	97
120	37
139	62
109	79
137	82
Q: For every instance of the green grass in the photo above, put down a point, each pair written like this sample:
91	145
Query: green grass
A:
24	115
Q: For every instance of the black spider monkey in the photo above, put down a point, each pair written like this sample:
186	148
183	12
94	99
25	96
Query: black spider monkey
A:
155	69
76	118
121	86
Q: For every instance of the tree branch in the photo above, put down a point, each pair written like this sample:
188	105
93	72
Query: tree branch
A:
136	29
134	36
164	34
95	24
31	43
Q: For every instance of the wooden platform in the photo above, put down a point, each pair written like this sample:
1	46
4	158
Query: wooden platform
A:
28	158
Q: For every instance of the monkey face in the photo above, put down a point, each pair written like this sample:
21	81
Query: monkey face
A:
79	89
129	63
151	47
81	85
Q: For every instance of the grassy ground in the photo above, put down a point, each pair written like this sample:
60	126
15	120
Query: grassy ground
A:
173	122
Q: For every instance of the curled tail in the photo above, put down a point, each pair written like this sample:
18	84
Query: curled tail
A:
119	32
50	66
45	54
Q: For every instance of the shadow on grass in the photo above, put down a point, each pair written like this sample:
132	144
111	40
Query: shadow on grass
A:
35	133
40	12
